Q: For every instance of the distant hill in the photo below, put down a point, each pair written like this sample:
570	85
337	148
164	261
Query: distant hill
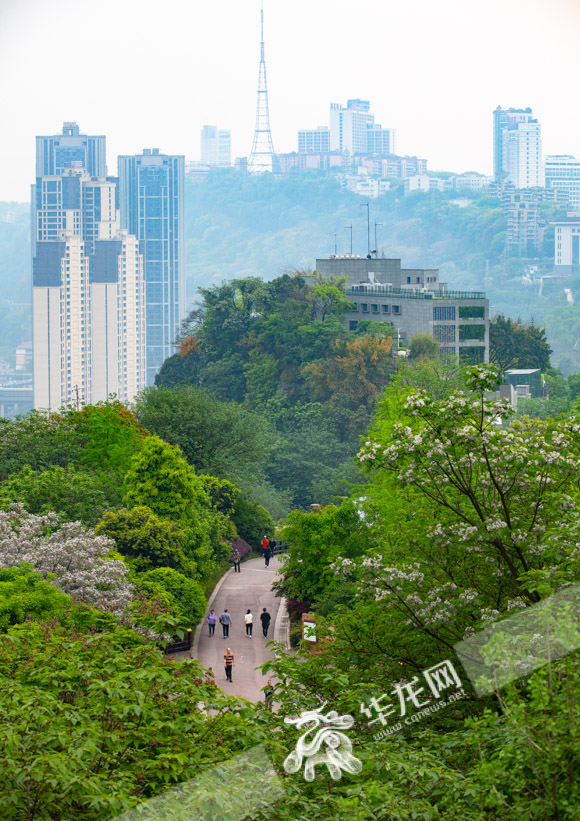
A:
242	225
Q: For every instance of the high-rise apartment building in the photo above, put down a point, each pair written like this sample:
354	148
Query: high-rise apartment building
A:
215	147
316	140
61	151
88	334
118	317
380	140
348	126
517	148
563	174
151	200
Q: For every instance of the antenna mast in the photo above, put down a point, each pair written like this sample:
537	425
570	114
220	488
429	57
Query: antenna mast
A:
262	156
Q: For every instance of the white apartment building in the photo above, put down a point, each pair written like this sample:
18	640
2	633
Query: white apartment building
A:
61	326
567	244
524	166
118	319
348	126
215	146
315	140
563	174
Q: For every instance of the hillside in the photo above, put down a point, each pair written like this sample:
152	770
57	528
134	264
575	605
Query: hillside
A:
238	225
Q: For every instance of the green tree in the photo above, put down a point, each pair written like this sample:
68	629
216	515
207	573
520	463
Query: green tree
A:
217	438
423	346
39	440
76	495
25	594
252	522
186	596
159	478
316	541
515	344
112	436
94	724
147	541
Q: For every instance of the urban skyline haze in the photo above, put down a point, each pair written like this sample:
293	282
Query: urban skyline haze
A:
151	78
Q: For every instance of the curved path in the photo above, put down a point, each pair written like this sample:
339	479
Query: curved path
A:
250	588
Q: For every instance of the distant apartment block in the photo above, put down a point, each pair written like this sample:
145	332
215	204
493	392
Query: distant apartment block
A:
413	301
472	181
567	244
151	200
525	223
215	147
364	185
320	161
421	182
380	140
315	140
517	148
563	174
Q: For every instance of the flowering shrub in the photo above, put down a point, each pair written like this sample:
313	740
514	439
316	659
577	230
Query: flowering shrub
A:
498	509
69	555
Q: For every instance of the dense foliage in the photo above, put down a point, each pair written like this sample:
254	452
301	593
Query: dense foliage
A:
467	519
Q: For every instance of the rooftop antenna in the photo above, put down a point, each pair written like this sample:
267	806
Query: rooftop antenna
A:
262	156
349	228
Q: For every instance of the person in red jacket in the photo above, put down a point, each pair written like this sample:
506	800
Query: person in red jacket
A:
265	543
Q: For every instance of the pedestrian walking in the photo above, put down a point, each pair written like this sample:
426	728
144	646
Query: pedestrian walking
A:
269	695
225	621
265	542
211	621
248	618
267	554
265	618
236	558
229	662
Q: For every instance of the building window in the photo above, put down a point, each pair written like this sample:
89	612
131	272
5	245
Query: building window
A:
444	333
443	313
396	309
352	325
364	307
409	280
386	309
375	309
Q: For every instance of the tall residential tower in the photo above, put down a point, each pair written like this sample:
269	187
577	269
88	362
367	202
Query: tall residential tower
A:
88	339
517	148
151	200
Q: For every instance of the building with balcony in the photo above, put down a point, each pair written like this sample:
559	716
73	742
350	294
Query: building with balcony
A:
413	301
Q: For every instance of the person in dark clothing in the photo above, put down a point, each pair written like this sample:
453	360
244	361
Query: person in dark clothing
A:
267	554
225	621
265	618
236	558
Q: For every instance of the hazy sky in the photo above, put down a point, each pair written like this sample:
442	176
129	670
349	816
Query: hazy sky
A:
150	74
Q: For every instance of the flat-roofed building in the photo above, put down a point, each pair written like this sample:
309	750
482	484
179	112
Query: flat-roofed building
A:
413	301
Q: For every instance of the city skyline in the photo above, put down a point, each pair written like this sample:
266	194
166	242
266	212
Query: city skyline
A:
436	88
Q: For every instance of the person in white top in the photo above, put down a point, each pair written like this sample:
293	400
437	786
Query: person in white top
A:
248	618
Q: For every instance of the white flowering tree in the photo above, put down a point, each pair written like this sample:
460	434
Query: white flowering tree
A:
69	555
488	518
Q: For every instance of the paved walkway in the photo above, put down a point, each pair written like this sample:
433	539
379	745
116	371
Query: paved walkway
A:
250	588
